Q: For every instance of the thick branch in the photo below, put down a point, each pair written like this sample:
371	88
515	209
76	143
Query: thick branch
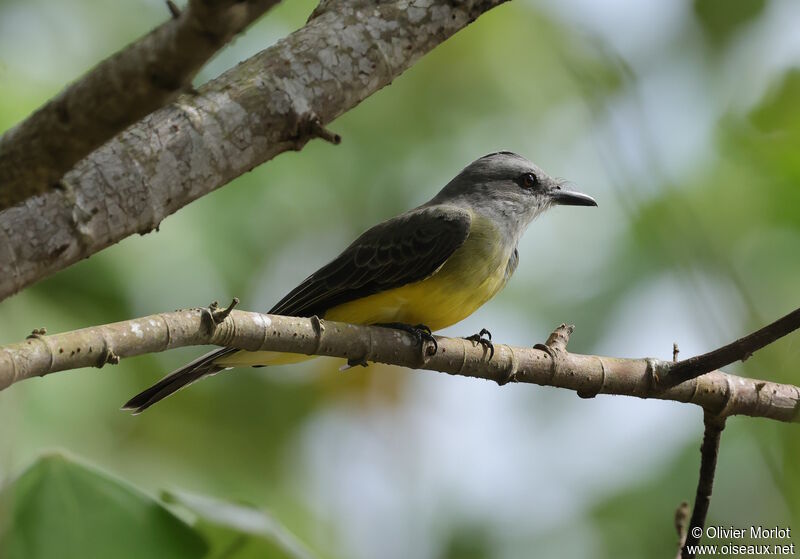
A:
709	451
273	102
738	350
119	91
589	375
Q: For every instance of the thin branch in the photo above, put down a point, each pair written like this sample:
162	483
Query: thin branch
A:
709	452
681	519
739	350
174	10
589	375
275	101
142	77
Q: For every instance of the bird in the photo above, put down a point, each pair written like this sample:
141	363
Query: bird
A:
420	271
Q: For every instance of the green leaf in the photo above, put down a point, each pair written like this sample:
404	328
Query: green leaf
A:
61	508
240	532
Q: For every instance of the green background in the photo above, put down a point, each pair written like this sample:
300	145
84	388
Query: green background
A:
681	118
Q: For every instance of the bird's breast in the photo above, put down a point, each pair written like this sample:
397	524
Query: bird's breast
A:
472	275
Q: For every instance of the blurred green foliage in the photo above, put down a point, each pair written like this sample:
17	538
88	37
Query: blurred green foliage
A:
682	119
61	508
721	20
239	532
58	508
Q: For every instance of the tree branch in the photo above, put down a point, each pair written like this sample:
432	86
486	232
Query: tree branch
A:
740	349
681	518
117	92
709	451
275	101
717	392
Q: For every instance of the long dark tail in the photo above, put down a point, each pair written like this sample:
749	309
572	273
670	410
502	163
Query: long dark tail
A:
186	375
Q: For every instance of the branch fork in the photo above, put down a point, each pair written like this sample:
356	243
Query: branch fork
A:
555	345
309	126
672	374
213	315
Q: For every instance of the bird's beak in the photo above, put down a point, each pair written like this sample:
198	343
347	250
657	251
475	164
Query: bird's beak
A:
570	198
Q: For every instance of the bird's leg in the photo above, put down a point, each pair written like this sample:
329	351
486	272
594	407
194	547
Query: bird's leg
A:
486	342
421	332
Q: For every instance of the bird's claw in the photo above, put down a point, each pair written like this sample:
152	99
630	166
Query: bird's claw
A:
486	342
421	333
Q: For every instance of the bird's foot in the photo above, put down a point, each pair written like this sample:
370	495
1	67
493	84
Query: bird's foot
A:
486	341
421	332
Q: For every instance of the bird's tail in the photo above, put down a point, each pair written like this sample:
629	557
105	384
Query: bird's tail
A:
186	375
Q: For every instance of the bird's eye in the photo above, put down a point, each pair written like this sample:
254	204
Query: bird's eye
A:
529	180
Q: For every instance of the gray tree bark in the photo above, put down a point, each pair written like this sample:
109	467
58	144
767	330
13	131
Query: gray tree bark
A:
122	89
275	101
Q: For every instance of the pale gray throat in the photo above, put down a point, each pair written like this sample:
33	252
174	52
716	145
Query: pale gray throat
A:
511	218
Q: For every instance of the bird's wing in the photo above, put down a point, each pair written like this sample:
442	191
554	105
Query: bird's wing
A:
402	250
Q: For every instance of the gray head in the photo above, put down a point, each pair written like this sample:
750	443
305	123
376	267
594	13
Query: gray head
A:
508	187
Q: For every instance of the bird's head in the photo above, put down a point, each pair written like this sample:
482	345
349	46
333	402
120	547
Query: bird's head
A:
510	188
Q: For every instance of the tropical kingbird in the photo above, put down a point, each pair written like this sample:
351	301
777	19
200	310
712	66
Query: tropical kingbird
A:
431	266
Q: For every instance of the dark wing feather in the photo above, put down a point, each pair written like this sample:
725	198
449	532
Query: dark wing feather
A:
402	250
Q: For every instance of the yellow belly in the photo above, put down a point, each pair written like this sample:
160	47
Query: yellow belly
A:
438	301
469	278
